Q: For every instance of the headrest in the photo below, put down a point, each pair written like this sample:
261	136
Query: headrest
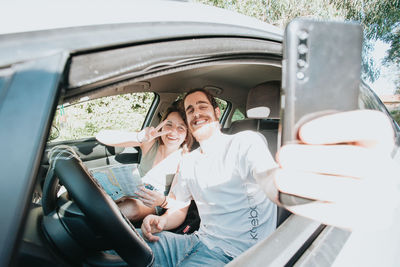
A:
264	101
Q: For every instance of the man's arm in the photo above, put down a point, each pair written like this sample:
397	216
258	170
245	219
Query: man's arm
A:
175	218
175	214
169	220
344	164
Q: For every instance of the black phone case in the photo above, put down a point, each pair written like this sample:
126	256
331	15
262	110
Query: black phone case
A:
320	74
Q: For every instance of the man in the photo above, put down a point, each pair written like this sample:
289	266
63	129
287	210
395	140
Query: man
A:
347	163
235	213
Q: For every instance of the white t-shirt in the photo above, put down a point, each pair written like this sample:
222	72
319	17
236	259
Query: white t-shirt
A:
235	213
162	175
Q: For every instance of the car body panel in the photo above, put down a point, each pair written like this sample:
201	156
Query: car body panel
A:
25	122
114	23
119	12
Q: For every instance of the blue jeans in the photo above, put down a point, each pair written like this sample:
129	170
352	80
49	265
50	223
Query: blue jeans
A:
185	250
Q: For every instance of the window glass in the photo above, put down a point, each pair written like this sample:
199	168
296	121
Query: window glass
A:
238	115
85	119
367	100
222	105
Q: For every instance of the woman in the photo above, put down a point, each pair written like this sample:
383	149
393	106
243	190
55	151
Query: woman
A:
162	148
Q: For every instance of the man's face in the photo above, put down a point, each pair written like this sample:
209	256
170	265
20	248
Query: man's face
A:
201	117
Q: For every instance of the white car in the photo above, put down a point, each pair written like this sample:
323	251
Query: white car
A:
55	55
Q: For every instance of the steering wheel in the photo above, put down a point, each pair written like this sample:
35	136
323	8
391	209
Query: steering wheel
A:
89	220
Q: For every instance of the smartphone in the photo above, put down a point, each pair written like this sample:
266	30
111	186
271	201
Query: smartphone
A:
320	74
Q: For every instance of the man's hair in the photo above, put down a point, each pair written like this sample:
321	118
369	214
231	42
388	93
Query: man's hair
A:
209	96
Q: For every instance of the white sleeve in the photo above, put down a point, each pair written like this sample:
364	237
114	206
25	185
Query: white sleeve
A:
255	155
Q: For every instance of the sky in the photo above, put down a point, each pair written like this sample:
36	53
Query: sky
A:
384	85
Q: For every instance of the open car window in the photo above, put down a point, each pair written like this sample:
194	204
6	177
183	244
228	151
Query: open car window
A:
85	119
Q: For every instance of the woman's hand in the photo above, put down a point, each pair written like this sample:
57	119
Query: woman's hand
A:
151	198
150	133
127	139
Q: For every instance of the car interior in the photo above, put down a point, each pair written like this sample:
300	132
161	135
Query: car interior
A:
230	68
75	227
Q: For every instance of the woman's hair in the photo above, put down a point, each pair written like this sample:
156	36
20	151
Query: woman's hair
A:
176	107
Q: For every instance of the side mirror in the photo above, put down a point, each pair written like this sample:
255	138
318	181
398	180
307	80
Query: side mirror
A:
54	133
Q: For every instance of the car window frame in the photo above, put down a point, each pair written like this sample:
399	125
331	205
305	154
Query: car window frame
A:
43	76
145	123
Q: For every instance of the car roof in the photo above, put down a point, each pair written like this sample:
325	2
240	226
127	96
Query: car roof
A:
47	14
35	28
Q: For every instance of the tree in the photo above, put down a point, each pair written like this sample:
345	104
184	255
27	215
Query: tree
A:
380	18
381	21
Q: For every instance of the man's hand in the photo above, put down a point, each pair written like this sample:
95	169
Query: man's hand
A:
153	224
345	165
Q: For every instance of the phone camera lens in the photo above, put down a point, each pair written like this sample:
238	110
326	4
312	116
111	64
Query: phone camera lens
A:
303	35
300	75
301	63
302	49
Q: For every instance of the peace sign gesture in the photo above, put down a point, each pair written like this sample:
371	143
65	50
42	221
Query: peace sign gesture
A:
150	133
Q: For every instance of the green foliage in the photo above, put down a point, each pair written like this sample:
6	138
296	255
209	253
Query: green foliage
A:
279	12
237	115
381	21
83	120
396	115
380	18
222	104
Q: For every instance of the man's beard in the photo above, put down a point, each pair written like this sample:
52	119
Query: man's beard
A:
205	131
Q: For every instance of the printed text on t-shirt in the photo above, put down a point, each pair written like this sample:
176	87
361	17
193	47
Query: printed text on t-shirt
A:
253	217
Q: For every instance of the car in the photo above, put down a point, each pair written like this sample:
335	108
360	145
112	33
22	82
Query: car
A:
61	58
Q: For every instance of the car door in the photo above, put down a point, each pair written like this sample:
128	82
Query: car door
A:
28	94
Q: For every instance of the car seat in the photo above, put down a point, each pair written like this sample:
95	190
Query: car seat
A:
263	113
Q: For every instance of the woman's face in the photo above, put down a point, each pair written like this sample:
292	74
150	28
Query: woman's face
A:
177	128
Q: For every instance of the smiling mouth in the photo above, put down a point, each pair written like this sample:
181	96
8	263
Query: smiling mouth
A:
200	122
172	138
